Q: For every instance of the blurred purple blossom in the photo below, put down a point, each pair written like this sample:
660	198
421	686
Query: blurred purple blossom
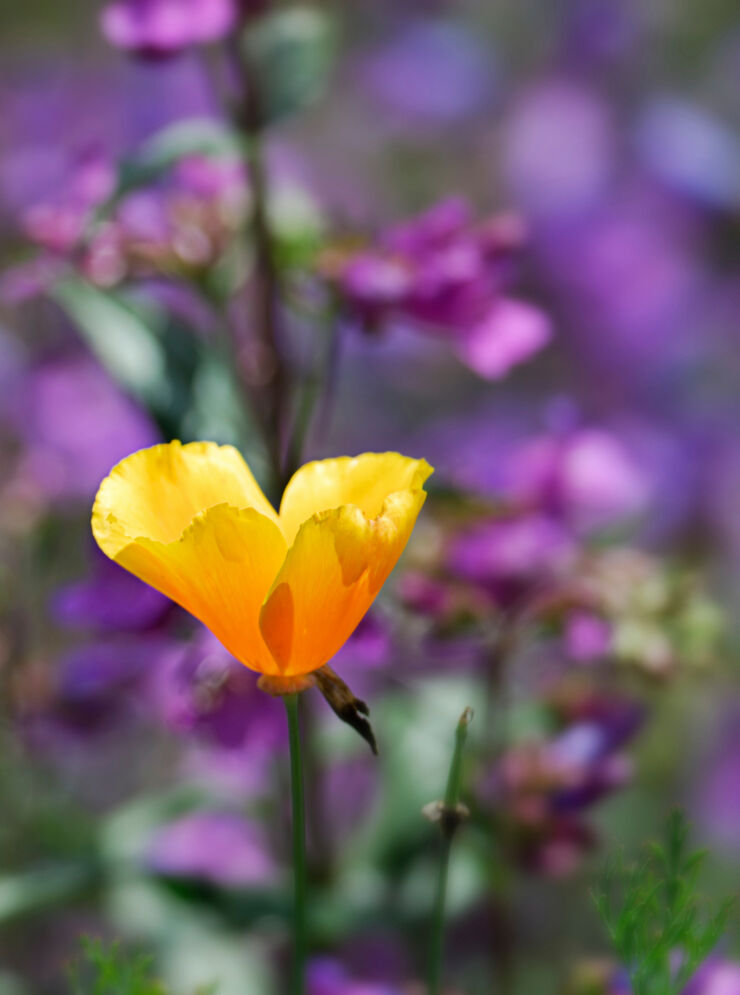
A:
100	684
558	149
328	977
199	688
165	27
717	793
75	424
587	637
109	599
690	150
587	477
178	226
220	848
433	72
716	977
510	558
545	787
58	225
449	278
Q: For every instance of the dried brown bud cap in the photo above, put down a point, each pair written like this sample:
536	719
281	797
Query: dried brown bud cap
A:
343	703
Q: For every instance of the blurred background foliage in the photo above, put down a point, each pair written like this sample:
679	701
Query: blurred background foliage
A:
574	577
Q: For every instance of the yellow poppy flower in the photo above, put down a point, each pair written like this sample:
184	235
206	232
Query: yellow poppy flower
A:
282	591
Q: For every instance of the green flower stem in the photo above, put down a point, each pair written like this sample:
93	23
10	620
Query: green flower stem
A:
300	936
449	822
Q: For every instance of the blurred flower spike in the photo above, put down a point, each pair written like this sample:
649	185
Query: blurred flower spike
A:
448	277
282	591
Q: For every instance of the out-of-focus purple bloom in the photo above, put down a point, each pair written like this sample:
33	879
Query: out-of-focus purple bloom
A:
510	557
328	977
717	798
109	599
691	151
166	27
601	32
449	278
510	333
636	241
58	225
99	683
368	646
587	637
200	688
558	149
586	476
75	424
432	73
220	848
545	787
716	977
179	226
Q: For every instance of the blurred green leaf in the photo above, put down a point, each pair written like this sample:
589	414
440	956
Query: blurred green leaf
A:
125	345
34	891
291	54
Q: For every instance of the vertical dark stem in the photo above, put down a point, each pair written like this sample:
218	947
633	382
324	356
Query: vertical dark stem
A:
300	933
269	377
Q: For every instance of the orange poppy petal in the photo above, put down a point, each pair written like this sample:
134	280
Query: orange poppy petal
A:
220	570
363	481
335	568
156	493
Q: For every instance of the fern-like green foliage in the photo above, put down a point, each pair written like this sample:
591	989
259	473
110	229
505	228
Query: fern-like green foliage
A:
108	970
660	928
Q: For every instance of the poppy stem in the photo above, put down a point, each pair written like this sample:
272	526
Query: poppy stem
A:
300	934
451	814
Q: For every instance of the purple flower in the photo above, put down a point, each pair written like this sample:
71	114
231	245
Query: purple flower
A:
586	477
165	27
201	689
558	149
109	599
75	424
716	977
449	278
546	786
101	683
220	848
690	150
587	636
717	799
328	977
59	224
455	69
510	557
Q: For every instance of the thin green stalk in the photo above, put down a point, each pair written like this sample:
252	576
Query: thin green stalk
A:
450	818
300	935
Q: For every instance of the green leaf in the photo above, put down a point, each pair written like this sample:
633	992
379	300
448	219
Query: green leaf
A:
118	336
660	928
291	54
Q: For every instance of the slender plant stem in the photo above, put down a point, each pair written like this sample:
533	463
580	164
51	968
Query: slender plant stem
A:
300	935
448	823
266	374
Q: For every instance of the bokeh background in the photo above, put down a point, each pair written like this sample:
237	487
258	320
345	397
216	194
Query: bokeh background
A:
575	574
